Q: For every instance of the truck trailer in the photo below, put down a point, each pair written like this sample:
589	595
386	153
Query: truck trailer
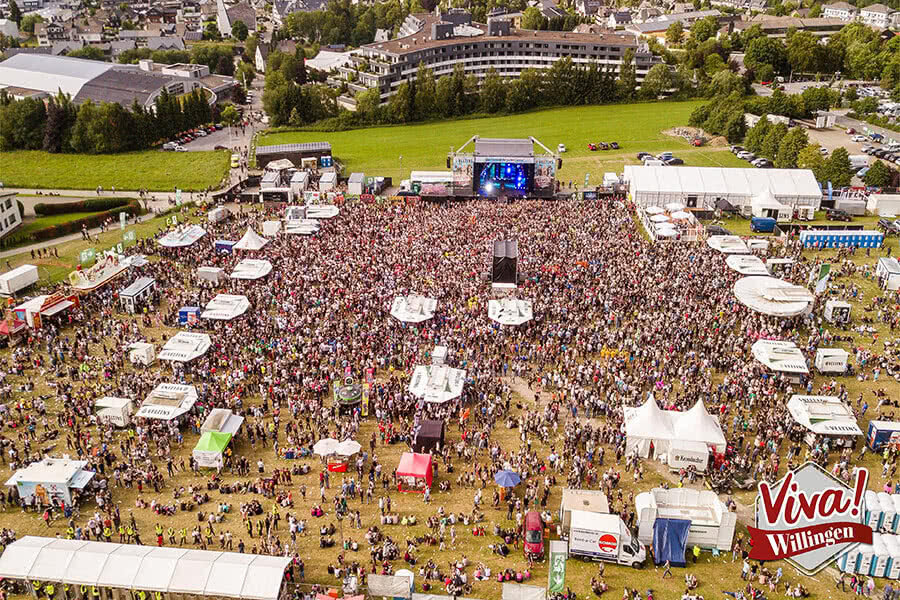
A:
604	537
18	279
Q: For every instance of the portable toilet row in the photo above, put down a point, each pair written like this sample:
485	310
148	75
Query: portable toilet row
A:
881	558
882	511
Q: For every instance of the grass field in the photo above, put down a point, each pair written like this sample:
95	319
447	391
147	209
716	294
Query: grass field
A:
395	151
152	170
39	223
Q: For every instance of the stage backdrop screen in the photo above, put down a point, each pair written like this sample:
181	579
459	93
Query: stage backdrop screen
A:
503	178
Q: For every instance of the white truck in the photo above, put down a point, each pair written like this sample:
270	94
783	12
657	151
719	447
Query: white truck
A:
18	279
583	500
604	536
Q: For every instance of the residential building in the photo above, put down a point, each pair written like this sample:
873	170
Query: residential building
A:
9	213
588	8
620	18
658	28
48	33
442	41
227	16
777	27
9	28
877	15
89	34
840	10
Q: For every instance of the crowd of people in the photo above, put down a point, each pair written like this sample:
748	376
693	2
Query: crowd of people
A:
615	318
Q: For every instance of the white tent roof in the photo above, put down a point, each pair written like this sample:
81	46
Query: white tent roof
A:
250	241
437	383
226	307
698	425
182	236
223	420
718	181
321	211
781	356
648	421
185	346
510	311
388	585
520	591
251	268
727	244
771	296
823	414
746	264
765	199
126	566
167	401
271	228
413	308
50	470
112	402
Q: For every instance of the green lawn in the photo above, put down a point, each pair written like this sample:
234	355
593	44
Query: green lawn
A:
39	223
151	169
395	151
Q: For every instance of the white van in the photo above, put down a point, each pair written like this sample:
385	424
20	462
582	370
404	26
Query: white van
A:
653	162
604	536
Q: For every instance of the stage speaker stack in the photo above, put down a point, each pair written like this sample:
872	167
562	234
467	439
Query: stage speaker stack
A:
505	264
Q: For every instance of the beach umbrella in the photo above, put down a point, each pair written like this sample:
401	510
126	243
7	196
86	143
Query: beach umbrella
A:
348	448
653	210
325	447
673	206
680	214
507	479
659	218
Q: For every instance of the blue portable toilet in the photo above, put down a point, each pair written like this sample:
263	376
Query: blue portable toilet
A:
189	315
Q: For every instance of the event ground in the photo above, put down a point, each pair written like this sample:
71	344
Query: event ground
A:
715	574
395	151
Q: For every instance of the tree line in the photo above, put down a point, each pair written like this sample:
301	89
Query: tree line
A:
59	125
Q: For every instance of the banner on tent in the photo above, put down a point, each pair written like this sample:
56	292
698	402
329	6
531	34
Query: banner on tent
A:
556	579
87	255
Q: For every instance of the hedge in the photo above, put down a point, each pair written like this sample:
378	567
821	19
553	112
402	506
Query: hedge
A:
88	205
133	207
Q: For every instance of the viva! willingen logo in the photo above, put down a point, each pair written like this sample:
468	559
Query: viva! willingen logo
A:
809	517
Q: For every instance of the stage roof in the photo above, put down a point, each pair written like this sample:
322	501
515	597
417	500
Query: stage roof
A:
502	147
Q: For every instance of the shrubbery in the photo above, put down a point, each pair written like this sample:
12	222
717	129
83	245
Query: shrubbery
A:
88	205
132	207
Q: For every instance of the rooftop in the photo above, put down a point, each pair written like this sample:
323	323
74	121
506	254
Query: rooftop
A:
307	147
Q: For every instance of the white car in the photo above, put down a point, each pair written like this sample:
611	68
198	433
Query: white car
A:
858	138
180	149
823	151
561	148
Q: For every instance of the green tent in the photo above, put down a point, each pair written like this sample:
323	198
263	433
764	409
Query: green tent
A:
208	451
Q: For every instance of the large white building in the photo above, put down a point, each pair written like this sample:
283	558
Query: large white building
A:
703	187
9	213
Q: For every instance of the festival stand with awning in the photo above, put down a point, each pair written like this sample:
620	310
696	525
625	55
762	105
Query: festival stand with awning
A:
185	346
414	473
225	307
210	448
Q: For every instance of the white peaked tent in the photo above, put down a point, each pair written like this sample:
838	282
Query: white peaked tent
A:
764	204
413	308
510	311
698	425
437	383
250	241
645	424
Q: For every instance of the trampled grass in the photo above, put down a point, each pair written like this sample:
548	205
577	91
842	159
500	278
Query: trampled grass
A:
152	170
396	150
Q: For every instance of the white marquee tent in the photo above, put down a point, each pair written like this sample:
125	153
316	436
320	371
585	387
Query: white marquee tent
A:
222	420
167	401
321	211
780	356
185	346
771	296
696	424
413	308
250	241
251	268
825	415
701	187
765	205
728	244
746	264
437	383
510	311
649	423
225	307
182	236
128	567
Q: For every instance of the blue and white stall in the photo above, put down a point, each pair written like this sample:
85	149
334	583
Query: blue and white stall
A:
824	238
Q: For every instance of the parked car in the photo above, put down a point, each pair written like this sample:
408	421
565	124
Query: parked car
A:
851	131
235	161
823	151
561	148
762	163
836	214
614	145
673	162
169	146
762	224
180	149
717	230
533	542
220	147
737	149
744	155
641	155
858	138
889	227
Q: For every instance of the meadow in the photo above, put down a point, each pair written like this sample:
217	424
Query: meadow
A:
396	150
152	170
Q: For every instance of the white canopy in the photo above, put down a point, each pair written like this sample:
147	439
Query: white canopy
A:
680	214
437	383
182	236
520	591
321	211
698	425
654	210
746	264
271	228
348	448
126	566
413	308
250	241
727	244
391	586
167	401
185	346
214	274
222	420
326	447
296	224
251	268
771	296
659	218
784	357
645	424
674	206
510	311
225	307
826	415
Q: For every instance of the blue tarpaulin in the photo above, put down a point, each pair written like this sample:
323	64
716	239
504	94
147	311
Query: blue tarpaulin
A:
670	541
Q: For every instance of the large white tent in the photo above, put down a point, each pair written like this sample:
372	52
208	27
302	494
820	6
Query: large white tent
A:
437	383
250	241
746	264
702	187
185	346
413	308
825	415
510	311
167	401
225	307
251	268
696	424
647	424
771	296
764	204
780	356
182	236
301	226
128	567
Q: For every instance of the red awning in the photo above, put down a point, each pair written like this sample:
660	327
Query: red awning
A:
414	465
17	326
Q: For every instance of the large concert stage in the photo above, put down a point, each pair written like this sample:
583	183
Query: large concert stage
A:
499	168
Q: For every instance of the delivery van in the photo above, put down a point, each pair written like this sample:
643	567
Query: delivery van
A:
604	536
762	224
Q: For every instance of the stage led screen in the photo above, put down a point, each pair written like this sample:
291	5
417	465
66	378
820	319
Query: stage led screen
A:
504	178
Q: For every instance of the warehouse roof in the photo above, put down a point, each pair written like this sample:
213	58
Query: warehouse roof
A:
50	73
307	147
123	86
723	181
